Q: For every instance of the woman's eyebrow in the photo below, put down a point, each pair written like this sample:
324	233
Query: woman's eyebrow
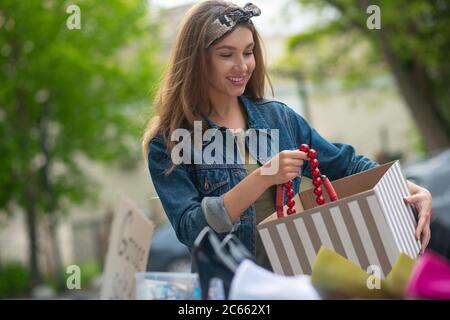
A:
233	48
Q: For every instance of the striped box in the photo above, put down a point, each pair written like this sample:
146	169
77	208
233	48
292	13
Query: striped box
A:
369	225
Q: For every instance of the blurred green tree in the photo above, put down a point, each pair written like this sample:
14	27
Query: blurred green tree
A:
413	43
68	94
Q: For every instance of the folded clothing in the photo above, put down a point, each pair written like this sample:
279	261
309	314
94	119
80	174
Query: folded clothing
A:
338	277
252	282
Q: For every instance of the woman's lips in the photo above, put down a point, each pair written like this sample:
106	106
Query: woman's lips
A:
237	81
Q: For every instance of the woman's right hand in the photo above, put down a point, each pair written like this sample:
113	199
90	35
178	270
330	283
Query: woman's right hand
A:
284	166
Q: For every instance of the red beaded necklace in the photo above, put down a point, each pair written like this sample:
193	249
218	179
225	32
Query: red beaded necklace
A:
318	180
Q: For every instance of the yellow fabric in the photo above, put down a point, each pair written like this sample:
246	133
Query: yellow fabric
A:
339	277
397	279
336	275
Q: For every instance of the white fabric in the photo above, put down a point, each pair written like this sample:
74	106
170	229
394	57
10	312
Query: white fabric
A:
252	282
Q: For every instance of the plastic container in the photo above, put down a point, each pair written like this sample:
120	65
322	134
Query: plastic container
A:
216	290
167	286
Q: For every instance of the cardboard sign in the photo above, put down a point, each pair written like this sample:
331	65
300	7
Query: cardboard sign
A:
370	224
129	245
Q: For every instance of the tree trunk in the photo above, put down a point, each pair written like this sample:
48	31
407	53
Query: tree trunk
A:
422	110
413	85
29	196
48	191
35	273
59	272
24	176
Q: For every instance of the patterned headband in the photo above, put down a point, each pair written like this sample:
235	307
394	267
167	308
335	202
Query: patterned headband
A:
227	22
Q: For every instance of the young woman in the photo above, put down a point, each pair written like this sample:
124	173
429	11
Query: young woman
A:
216	78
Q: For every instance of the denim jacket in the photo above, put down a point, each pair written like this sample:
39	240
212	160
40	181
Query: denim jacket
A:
192	195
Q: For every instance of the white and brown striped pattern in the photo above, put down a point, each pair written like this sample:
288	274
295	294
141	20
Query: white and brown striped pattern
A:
401	218
369	228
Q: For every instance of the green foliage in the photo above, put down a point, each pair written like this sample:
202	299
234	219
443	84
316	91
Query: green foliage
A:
50	282
14	280
416	29
418	144
89	271
334	50
83	89
414	41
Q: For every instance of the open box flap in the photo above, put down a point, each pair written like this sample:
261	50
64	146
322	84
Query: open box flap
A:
345	187
349	186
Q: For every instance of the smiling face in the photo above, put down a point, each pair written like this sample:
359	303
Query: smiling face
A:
231	64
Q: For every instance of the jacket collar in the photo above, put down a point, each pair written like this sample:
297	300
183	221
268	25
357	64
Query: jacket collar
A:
255	120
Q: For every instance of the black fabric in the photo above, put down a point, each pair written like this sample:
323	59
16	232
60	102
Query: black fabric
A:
212	258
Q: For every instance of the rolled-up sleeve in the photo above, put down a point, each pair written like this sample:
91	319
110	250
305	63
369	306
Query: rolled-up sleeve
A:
186	209
216	214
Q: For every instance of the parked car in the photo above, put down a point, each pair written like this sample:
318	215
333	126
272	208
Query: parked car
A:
167	254
433	173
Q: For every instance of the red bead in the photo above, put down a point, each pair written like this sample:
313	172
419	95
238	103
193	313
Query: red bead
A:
316	172
290	211
314	163
288	185
290	203
320	200
304	148
318	191
312	154
290	193
317	181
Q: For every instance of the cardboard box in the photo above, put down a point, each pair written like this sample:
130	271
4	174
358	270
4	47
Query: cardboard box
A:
128	249
370	224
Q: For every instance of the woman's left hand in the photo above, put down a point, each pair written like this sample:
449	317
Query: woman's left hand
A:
421	199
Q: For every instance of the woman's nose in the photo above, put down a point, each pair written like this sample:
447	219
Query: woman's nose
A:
241	65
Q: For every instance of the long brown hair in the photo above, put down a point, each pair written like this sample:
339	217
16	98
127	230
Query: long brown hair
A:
182	98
